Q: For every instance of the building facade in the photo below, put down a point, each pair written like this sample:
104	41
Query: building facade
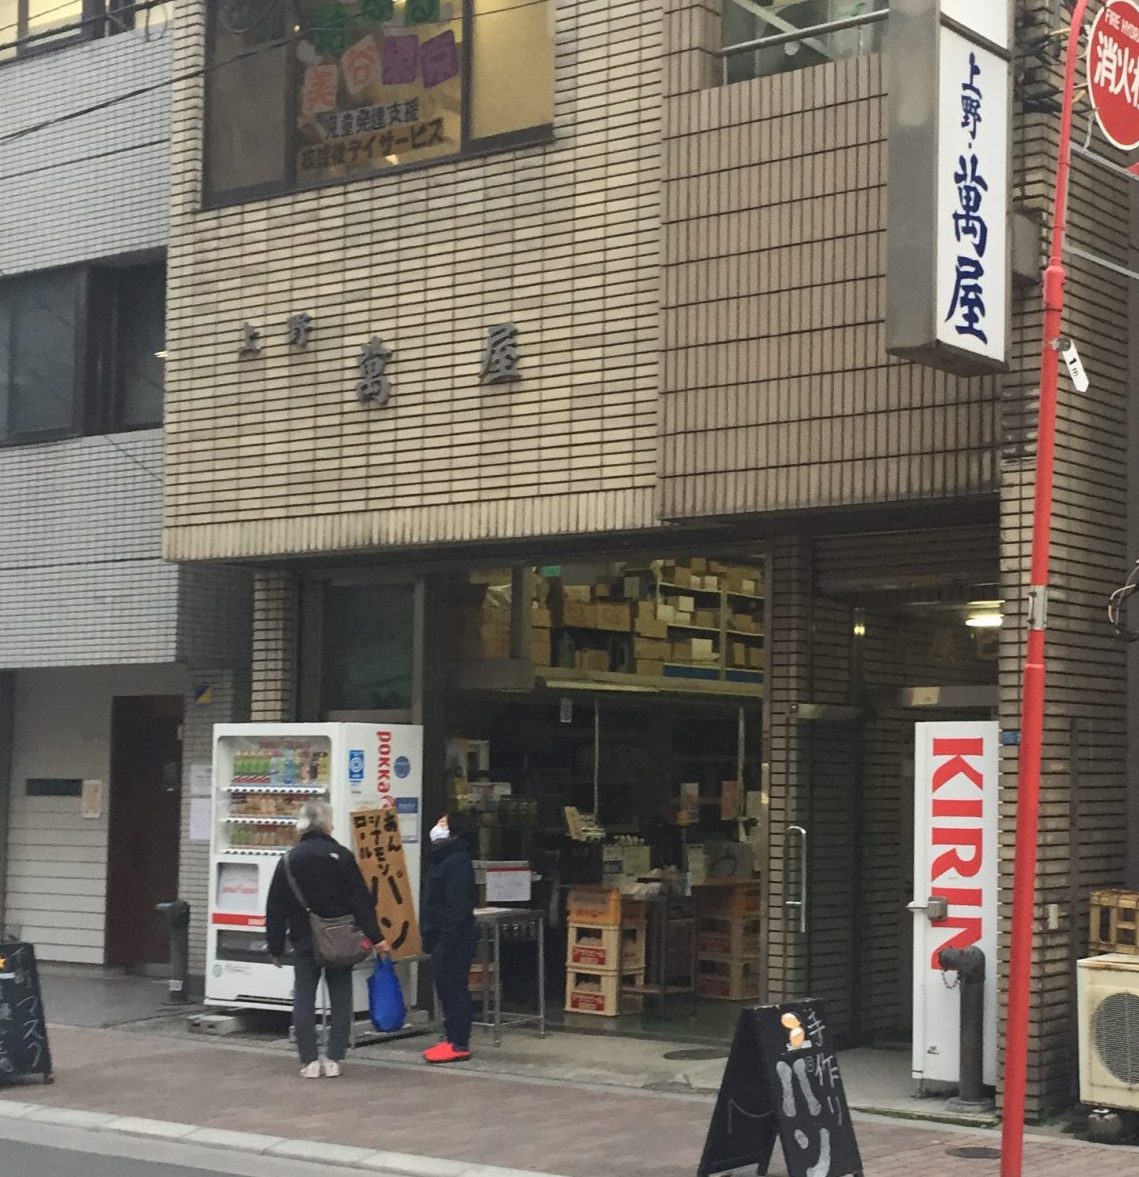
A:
440	340
112	661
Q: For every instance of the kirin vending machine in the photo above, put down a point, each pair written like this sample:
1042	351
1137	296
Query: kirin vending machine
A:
262	774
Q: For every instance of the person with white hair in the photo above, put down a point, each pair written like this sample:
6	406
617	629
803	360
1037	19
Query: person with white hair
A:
329	881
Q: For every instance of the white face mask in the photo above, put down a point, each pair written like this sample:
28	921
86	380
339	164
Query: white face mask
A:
439	832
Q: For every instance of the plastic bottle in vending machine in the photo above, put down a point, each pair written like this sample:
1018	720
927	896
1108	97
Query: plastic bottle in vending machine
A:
290	766
276	771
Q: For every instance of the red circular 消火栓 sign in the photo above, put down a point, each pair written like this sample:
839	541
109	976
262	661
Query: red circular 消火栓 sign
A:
1113	72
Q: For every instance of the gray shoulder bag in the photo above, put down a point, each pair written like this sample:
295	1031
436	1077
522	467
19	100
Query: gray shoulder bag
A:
336	943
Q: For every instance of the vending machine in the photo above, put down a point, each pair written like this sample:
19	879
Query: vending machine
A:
262	774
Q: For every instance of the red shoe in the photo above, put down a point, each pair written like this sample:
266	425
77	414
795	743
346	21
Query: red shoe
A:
445	1053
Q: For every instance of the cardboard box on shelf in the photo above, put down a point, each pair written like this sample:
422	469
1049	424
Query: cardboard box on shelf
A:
650	627
750	586
739	653
685	604
574	614
651	667
540	618
711	584
540	652
582	593
755	657
666	613
698	564
614	616
709	618
592	660
742	622
631	587
681	577
649	648
694	650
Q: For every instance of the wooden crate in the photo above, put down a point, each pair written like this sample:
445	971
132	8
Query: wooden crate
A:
1114	922
729	898
602	994
728	937
724	980
602	907
610	949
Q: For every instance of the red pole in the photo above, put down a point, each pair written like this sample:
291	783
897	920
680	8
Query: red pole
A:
1032	705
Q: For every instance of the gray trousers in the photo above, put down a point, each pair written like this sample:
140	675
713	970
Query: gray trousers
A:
306	981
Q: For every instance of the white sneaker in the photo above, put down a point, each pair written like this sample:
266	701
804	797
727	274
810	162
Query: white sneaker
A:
330	1067
311	1071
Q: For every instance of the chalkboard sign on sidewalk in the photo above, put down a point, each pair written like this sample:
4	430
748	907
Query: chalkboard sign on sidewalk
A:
23	1033
782	1081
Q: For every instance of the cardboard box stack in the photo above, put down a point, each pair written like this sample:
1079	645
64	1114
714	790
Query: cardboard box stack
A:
479	616
605	952
728	941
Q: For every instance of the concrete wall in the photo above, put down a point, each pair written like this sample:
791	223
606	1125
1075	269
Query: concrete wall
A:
57	860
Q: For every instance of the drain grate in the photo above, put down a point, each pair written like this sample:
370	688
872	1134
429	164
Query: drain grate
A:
970	1152
696	1054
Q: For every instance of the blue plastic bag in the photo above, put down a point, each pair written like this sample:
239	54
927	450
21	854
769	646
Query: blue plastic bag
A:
385	997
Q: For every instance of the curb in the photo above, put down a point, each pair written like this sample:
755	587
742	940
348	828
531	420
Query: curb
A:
314	1151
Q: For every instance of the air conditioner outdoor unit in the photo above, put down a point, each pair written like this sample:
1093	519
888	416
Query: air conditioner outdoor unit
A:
1108	988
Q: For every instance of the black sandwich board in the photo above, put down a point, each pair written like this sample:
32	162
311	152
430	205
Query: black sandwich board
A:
782	1082
23	1032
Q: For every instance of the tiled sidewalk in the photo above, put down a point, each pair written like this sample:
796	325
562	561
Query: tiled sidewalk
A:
551	1127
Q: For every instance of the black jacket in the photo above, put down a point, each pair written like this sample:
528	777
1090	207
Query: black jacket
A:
450	895
331	884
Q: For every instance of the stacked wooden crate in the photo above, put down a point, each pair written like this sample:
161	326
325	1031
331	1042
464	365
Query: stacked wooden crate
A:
728	942
1114	922
605	952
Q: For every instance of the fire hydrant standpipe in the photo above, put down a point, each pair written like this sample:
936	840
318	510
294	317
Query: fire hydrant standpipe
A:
969	964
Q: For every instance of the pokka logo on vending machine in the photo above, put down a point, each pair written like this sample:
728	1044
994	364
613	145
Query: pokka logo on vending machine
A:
384	762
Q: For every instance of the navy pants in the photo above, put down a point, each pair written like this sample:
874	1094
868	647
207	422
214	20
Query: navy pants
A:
452	961
306	980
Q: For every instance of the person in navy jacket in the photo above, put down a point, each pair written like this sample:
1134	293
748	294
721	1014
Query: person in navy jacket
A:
449	932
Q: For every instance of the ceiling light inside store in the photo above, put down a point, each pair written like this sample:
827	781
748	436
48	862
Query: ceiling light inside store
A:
989	619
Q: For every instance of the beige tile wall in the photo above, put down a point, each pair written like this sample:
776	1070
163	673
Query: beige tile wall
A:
777	391
273	454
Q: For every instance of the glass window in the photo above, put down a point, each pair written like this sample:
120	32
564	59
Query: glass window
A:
244	148
752	20
140	343
38	316
32	25
367	633
309	92
378	91
512	85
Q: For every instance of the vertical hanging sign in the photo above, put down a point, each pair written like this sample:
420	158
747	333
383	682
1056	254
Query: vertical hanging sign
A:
948	198
956	818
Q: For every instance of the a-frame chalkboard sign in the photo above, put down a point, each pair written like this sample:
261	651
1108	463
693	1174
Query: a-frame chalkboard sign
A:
23	1032
782	1082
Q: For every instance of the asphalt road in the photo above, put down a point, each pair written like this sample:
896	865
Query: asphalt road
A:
32	1160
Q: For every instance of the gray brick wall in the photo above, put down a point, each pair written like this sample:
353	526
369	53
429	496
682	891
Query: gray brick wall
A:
92	186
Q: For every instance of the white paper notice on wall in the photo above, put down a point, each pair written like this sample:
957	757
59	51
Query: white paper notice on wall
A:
91	802
200	819
508	884
201	780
